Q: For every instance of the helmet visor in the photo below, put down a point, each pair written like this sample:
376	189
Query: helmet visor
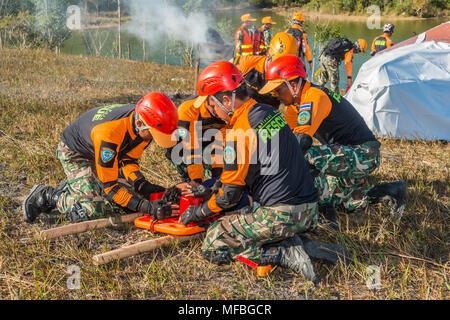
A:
164	140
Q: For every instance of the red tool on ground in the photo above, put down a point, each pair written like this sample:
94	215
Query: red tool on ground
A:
171	225
261	271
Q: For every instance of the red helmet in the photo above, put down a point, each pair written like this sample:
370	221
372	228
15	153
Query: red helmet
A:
218	76
284	68
160	116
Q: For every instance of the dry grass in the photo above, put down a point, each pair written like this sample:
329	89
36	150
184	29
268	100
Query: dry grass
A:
41	93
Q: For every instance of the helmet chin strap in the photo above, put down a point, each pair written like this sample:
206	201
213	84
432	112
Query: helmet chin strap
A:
220	104
299	85
136	126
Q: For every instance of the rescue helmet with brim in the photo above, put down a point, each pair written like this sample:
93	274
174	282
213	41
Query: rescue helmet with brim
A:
282	43
160	117
218	76
282	70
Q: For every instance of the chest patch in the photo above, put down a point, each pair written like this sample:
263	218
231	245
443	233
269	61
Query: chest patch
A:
229	155
305	114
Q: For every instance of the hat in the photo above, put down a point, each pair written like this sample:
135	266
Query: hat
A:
268	20
247	17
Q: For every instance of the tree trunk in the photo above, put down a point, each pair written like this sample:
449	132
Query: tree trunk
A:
119	14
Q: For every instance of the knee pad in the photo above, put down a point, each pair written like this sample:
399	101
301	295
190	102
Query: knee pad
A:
76	213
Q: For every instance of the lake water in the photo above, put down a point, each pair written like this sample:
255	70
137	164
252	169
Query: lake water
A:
159	52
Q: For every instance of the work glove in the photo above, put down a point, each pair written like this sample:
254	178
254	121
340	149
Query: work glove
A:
192	214
158	209
145	188
201	191
304	140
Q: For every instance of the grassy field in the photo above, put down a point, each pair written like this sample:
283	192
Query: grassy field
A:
41	93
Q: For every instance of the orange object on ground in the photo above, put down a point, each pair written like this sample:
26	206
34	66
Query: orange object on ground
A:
261	271
171	225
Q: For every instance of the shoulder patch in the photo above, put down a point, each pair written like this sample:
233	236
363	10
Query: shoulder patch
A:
107	154
305	114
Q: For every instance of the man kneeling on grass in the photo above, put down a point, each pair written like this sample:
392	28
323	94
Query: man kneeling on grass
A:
101	146
261	154
349	151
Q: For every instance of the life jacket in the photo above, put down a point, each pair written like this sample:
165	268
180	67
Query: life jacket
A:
247	43
337	48
297	33
382	42
259	46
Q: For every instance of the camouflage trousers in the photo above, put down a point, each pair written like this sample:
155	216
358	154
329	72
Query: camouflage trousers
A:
244	234
343	171
329	71
81	185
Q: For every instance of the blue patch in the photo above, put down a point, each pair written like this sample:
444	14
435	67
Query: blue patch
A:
304	117
182	132
229	155
107	154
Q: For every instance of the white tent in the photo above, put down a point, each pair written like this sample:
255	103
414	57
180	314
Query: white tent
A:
404	92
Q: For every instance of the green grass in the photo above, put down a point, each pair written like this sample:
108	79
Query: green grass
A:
41	93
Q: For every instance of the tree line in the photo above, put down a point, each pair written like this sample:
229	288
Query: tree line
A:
42	23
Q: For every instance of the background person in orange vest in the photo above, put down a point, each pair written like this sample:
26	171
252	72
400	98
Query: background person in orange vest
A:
297	32
263	37
253	68
244	37
384	41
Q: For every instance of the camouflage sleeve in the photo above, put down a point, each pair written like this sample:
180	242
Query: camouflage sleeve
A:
267	38
239	41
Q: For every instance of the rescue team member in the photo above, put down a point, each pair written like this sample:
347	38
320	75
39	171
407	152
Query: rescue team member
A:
263	37
286	192
384	41
254	67
297	32
202	151
330	59
349	150
98	147
244	37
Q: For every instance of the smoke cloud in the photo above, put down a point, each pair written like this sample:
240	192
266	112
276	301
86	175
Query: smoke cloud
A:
151	19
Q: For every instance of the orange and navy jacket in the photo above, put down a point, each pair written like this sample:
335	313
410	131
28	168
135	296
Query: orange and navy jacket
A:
302	41
328	117
243	42
107	136
190	120
380	43
348	60
253	70
273	173
259	43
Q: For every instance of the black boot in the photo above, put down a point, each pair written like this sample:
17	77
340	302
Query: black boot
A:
40	199
328	216
392	194
326	252
289	254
